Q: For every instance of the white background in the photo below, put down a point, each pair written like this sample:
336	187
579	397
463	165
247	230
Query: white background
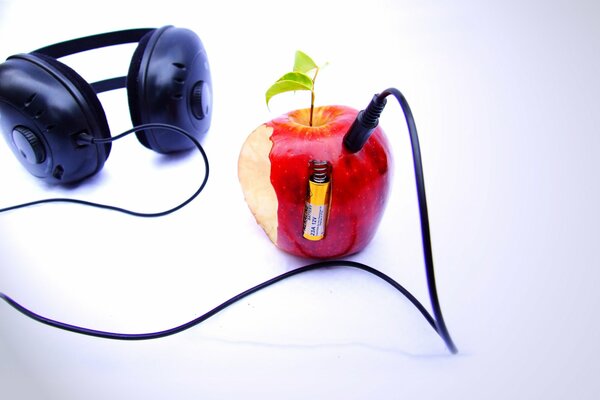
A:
505	96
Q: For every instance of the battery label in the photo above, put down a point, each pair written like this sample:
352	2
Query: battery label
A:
316	210
314	221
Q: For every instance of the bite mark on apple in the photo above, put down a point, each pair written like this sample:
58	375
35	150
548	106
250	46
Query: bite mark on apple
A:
254	172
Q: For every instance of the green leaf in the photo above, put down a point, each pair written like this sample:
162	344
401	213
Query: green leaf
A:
291	81
303	63
299	77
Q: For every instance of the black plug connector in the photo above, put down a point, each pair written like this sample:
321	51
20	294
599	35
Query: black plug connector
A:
83	139
364	124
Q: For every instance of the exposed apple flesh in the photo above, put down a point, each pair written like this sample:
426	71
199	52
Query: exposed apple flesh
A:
273	172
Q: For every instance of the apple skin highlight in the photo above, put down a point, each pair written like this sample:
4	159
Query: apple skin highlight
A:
360	182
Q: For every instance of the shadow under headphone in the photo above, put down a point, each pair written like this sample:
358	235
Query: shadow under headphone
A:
45	105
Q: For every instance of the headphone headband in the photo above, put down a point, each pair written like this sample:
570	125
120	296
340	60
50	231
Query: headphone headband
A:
92	42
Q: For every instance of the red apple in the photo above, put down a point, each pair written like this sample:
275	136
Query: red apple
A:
273	170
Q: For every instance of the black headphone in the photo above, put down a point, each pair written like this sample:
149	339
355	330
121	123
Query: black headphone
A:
45	106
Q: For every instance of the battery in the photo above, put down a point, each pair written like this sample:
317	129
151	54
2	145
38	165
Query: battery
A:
318	200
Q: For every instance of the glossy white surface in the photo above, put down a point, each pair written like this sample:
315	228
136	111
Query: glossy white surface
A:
505	96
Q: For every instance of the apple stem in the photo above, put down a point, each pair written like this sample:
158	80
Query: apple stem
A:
312	107
312	97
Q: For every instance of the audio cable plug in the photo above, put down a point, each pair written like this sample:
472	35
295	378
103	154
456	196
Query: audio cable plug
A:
364	124
84	139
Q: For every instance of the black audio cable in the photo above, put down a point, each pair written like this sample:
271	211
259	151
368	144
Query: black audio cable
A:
86	139
360	131
354	140
234	299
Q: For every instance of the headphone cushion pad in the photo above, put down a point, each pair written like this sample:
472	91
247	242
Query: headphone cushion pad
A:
86	91
133	85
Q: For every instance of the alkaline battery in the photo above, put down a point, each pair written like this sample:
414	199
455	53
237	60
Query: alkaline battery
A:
318	200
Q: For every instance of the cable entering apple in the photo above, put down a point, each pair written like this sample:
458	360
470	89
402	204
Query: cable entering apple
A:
364	124
358	134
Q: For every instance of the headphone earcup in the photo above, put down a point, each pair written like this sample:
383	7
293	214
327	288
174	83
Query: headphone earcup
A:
169	82
44	107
